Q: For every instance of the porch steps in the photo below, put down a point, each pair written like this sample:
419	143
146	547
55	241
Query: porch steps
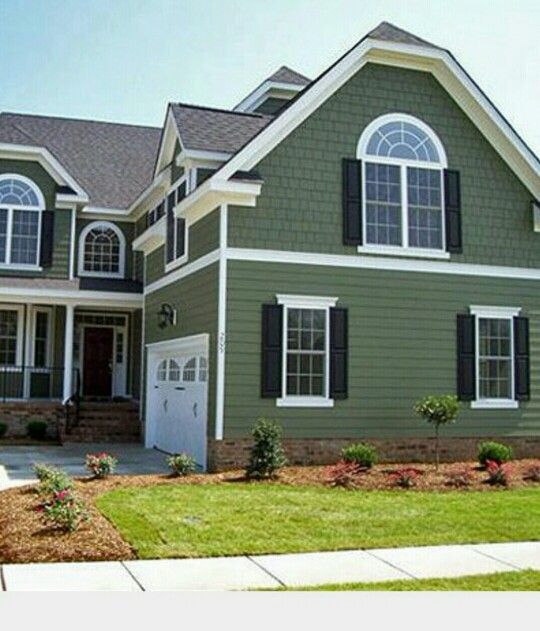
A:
107	421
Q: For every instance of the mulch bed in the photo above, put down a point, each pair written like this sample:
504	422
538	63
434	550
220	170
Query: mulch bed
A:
24	537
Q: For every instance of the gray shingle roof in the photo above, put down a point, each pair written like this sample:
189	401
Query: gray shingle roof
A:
113	162
287	75
209	129
387	32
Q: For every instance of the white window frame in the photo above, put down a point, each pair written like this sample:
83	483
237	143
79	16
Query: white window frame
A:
20	336
498	313
122	250
11	208
361	153
305	302
188	178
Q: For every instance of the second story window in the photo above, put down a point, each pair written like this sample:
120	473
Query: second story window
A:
102	250
21	206
402	185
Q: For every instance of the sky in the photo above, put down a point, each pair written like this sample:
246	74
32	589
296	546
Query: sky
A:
124	60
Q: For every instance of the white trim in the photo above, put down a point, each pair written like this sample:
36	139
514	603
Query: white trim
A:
496	312
436	61
190	343
75	297
19	309
122	250
152	238
386	263
300	301
322	303
266	90
47	161
222	322
199	154
186	270
72	242
31	184
494	404
304	402
33	310
69	330
390	250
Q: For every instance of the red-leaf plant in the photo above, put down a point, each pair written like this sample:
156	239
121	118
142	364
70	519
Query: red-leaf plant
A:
404	477
498	473
344	474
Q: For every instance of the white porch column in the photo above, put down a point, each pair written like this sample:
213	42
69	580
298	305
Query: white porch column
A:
68	352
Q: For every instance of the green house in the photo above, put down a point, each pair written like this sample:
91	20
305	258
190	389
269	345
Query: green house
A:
325	253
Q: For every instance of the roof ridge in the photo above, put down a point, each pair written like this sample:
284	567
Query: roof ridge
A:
376	32
78	120
289	69
222	110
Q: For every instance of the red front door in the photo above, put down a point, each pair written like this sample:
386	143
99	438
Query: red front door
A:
98	357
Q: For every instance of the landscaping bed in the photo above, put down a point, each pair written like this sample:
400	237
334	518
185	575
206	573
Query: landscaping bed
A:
207	515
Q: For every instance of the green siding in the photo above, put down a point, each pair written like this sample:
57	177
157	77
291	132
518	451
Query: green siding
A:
196	300
135	353
300	204
271	105
203	238
62	226
402	346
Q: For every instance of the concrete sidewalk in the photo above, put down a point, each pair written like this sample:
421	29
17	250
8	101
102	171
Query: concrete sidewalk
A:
271	571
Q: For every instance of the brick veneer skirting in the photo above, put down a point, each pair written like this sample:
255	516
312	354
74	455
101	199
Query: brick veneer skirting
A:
231	453
17	414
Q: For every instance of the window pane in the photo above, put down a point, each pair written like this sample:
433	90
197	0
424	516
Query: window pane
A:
3	233
306	352
383	204
425	208
495	360
41	339
24	240
102	250
8	337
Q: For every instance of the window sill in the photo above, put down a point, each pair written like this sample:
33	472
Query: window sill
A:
495	404
399	251
116	276
22	268
176	263
304	402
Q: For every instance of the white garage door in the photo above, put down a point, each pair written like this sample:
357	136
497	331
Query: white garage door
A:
176	403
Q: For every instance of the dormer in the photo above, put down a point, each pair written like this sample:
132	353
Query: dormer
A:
274	92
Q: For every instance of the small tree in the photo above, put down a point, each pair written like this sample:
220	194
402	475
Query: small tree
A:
438	410
267	455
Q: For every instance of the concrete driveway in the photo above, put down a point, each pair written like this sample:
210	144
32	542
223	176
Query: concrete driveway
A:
16	462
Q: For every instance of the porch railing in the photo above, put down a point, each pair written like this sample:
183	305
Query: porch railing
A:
32	382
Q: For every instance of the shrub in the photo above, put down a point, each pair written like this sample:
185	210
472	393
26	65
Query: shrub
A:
344	474
361	454
405	477
460	477
44	471
181	464
533	472
101	465
3	429
497	452
37	430
267	455
53	481
498	473
64	510
438	410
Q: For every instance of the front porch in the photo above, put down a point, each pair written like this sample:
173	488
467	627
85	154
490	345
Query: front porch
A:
54	357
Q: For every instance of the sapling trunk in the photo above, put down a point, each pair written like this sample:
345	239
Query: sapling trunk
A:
436	446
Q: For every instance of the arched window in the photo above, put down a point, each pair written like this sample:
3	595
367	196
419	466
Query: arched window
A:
102	250
162	371
195	369
402	175
21	203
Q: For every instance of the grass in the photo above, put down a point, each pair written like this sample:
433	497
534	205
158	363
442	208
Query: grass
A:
527	581
235	518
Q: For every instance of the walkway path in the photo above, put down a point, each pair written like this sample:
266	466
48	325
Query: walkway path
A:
270	571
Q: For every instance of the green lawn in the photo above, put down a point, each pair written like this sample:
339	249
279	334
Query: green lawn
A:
528	581
229	519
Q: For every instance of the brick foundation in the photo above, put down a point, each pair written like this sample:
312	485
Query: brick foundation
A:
233	453
18	414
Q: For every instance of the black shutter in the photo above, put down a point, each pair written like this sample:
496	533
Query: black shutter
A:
521	359
338	353
180	192
352	201
47	238
466	360
272	339
452	207
170	227
180	237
